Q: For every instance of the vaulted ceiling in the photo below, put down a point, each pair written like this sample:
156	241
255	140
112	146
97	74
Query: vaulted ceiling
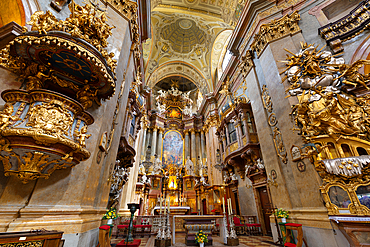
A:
183	40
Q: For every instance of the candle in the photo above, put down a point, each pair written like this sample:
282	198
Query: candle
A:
168	205
160	207
165	205
223	204
230	207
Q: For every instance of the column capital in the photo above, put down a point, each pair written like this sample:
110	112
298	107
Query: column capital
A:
155	128
192	130
186	132
161	130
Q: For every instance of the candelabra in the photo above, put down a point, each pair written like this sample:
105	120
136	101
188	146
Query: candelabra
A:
225	228
159	234
232	231
168	235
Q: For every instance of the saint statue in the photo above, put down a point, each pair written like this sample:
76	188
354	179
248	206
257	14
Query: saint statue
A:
200	165
157	165
189	167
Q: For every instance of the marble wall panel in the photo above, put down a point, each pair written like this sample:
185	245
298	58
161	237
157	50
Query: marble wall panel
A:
254	79
247	202
309	197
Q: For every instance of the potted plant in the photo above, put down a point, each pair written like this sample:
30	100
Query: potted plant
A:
201	238
283	214
110	215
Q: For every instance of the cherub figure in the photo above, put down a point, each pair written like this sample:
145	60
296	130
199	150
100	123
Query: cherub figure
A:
86	96
6	116
82	136
37	80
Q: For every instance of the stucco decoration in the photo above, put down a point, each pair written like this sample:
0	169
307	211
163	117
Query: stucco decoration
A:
175	69
186	38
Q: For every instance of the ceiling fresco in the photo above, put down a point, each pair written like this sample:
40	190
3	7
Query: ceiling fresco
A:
182	38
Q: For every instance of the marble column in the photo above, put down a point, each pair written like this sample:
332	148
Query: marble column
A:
227	135
203	147
187	144
216	174
198	150
193	147
239	132
160	141
247	133
143	149
154	142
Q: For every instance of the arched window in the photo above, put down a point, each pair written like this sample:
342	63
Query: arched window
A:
346	150
232	132
332	151
361	151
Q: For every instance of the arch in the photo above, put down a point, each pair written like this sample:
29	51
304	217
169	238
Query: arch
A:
179	69
218	52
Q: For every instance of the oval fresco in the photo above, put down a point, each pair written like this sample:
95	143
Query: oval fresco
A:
172	149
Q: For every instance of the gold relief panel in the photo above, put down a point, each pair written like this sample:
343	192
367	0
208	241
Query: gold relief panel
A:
245	140
274	30
234	147
37	243
47	131
131	141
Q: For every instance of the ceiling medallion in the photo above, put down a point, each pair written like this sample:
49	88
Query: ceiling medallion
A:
185	24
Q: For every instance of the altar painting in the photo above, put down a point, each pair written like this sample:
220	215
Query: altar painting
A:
172	150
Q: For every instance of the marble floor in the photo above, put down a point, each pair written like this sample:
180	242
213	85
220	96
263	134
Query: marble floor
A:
244	241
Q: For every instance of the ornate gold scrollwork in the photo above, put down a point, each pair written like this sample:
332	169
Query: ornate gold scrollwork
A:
36	243
279	145
333	123
266	99
40	135
274	30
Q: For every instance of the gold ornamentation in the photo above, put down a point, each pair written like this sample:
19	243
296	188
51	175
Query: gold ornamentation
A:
6	117
85	22
82	136
246	63
274	30
315	78
279	145
50	118
31	165
37	243
45	118
266	99
87	95
234	147
272	120
349	26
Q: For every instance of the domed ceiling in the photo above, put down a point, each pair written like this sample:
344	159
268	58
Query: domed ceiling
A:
181	45
183	35
178	82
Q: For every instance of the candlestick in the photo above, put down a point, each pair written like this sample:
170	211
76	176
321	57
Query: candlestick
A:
165	205
160	207
223	204
168	205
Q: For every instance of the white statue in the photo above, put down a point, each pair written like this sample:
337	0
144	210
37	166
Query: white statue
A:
145	179
189	167
161	107
260	164
142	169
157	165
203	180
233	176
187	110
200	165
175	91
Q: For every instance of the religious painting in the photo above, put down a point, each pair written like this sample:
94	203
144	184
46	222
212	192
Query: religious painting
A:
339	197
172	184
173	112
172	149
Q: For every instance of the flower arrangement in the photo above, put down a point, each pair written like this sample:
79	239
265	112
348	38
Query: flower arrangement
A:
280	213
110	214
200	237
